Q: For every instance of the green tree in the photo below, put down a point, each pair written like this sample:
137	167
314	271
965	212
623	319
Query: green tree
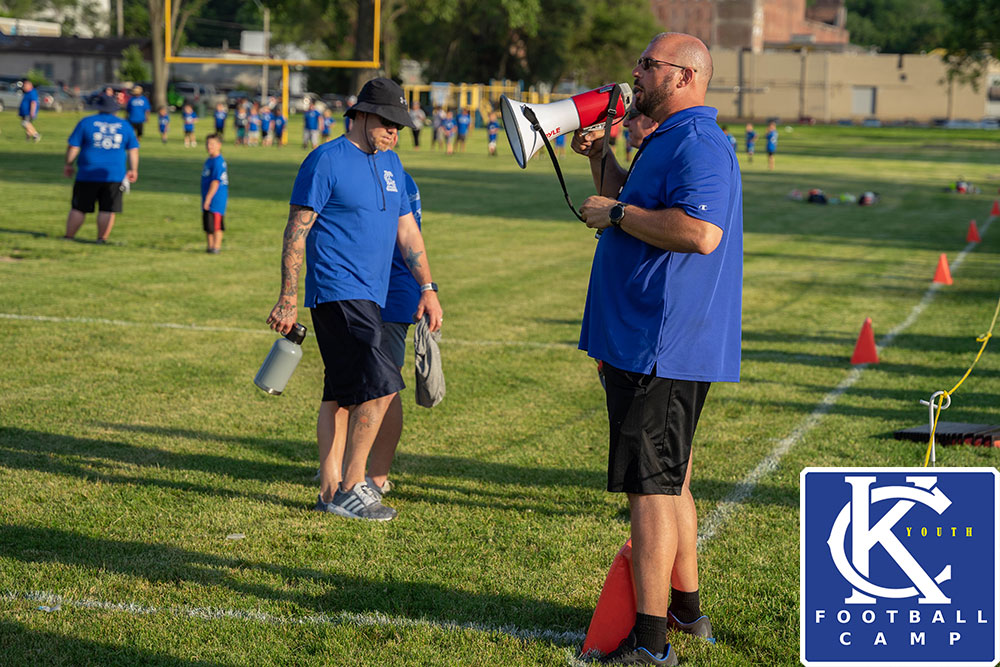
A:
898	26
133	67
974	38
37	77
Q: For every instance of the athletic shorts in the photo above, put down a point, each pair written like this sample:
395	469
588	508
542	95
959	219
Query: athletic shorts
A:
220	130
107	196
137	128
356	369
241	132
26	121
652	422
310	136
213	222
394	341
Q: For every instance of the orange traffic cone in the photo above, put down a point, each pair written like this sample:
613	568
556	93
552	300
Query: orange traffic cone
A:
864	349
973	235
943	273
995	211
615	612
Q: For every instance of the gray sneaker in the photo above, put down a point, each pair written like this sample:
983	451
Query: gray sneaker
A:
363	502
323	506
380	490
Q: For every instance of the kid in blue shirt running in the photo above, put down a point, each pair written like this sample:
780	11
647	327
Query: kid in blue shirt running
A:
189	119
164	121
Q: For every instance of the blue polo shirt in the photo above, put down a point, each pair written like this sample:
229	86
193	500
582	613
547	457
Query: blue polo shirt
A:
404	292
676	314
103	140
137	109
24	111
359	198
215	170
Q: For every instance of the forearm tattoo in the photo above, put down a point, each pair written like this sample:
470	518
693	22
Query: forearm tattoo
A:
300	221
413	258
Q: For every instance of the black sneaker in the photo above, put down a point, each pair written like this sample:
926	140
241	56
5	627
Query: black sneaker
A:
628	653
700	627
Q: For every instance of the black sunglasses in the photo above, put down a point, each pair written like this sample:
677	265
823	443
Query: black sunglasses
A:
389	124
645	62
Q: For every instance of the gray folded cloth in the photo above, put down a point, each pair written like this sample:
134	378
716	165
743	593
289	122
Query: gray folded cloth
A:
427	362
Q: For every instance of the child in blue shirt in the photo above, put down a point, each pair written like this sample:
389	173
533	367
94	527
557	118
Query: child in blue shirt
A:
327	125
265	125
772	143
462	124
253	126
164	120
279	127
751	140
189	119
492	129
220	118
214	194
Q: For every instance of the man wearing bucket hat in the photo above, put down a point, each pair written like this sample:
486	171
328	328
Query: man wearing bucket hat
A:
663	315
348	207
100	145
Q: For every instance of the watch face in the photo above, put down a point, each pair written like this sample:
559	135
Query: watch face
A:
617	213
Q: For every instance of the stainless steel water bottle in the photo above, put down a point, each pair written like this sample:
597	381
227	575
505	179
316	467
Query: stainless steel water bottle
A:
281	361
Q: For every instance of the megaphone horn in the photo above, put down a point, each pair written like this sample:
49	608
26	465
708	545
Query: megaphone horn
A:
587	111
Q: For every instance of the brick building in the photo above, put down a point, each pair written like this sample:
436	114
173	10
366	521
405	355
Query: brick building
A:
757	24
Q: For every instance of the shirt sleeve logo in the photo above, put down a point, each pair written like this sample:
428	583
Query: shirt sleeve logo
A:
390	181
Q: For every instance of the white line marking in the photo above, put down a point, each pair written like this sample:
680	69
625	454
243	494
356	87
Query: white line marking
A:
729	505
366	619
263	331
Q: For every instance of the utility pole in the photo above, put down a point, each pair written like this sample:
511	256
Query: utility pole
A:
267	54
121	18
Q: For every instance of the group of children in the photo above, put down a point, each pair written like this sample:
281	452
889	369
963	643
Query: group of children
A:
255	124
751	141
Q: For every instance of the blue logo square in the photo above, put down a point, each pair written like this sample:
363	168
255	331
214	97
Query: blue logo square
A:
899	566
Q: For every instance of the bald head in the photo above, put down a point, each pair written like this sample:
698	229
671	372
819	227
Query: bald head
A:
689	51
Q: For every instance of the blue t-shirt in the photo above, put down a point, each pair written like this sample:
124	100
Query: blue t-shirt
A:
254	122
772	141
359	198
312	119
448	124
327	124
25	111
189	119
751	139
279	125
463	121
404	291
492	129
137	109
164	122
215	170
103	140
265	121
676	314
220	119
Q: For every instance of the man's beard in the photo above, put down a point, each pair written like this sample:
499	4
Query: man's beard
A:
652	99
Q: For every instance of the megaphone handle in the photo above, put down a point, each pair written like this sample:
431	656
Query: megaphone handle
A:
610	119
536	126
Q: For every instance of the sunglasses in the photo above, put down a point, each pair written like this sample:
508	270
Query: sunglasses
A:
645	62
389	124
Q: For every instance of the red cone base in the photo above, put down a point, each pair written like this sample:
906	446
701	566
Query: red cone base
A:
943	273
615	612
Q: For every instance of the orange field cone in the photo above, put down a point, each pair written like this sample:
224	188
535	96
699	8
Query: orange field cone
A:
973	235
615	612
995	211
864	349
943	273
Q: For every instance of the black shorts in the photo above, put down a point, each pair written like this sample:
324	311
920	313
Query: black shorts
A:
220	130
213	222
652	424
108	196
356	369
137	128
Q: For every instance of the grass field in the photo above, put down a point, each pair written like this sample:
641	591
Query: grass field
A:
132	441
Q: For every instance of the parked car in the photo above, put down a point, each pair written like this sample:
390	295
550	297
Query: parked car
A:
53	98
10	95
121	93
185	92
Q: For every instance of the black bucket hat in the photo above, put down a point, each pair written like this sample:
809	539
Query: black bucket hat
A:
106	104
383	97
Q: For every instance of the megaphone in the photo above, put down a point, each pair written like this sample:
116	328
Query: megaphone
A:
587	111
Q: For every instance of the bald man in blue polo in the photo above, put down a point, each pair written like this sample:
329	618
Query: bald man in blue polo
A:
663	315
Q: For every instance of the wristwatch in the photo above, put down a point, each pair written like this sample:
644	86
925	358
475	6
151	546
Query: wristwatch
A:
428	286
617	214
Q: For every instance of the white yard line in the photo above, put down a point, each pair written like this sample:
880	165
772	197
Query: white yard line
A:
728	506
260	331
361	619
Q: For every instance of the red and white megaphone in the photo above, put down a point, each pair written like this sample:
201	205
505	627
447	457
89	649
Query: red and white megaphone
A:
588	111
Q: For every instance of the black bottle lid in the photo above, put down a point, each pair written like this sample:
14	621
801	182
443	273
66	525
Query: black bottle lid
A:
297	334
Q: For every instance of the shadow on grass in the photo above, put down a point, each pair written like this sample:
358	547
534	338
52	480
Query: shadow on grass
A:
173	566
24	646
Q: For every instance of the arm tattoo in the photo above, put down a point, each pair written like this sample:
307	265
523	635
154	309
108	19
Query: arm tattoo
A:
413	259
300	221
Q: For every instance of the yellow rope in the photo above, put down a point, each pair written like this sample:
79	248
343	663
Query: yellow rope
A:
984	339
